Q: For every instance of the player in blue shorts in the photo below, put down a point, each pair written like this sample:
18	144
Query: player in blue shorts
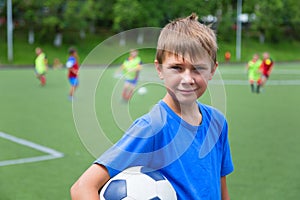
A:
73	69
182	138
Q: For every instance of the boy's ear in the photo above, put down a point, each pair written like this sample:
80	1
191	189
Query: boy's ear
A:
158	68
213	70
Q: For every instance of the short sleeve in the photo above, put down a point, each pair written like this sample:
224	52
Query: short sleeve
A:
70	62
137	145
227	164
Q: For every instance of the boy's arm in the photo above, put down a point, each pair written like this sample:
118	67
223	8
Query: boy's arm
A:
247	68
46	63
74	71
120	69
224	190
88	185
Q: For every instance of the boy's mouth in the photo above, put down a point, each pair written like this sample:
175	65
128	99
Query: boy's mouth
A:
187	91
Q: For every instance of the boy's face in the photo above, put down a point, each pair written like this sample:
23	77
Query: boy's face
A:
255	57
38	51
185	81
265	55
133	54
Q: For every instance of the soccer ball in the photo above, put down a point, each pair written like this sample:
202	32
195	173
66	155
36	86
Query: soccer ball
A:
138	183
142	91
268	62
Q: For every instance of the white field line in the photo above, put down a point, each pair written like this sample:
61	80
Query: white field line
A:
52	154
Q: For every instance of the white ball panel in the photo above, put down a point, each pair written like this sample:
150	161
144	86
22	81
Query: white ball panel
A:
144	188
165	190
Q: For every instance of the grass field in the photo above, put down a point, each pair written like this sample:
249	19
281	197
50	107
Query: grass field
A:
41	121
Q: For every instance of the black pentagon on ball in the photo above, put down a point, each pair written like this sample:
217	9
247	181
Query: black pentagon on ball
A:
155	175
116	190
155	198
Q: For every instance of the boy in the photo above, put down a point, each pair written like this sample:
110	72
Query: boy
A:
185	140
73	67
131	68
41	65
254	74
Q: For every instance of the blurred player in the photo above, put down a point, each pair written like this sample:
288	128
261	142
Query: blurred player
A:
227	56
266	68
254	74
73	67
41	65
131	68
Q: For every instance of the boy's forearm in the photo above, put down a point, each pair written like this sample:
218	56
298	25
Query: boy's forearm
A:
79	193
87	186
224	190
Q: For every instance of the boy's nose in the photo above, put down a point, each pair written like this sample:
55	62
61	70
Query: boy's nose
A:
188	78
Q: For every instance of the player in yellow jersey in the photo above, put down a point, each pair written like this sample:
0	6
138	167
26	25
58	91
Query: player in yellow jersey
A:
41	65
254	74
131	68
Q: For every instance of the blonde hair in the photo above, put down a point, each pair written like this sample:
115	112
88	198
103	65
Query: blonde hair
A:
187	36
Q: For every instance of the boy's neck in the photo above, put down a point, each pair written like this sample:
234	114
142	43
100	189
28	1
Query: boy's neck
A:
189	113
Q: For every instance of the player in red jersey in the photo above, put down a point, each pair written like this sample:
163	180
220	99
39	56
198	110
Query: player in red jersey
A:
73	68
266	68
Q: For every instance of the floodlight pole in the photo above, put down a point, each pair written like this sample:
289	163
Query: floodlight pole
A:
9	31
238	30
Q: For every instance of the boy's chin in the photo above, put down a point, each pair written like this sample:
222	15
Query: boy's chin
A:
182	99
185	101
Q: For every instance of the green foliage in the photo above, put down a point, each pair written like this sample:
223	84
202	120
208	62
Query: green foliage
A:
276	20
79	15
269	19
152	13
225	27
127	14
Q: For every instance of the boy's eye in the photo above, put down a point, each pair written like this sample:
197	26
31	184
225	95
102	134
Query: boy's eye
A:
199	68
176	67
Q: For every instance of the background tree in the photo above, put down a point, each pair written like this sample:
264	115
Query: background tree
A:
291	19
269	19
127	15
27	11
275	20
80	16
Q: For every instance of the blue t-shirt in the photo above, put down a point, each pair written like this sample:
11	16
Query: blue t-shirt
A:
193	158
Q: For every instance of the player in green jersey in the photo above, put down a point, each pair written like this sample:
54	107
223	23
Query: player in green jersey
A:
41	65
254	73
131	68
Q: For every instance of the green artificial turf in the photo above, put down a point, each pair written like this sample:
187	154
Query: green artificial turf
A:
263	128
